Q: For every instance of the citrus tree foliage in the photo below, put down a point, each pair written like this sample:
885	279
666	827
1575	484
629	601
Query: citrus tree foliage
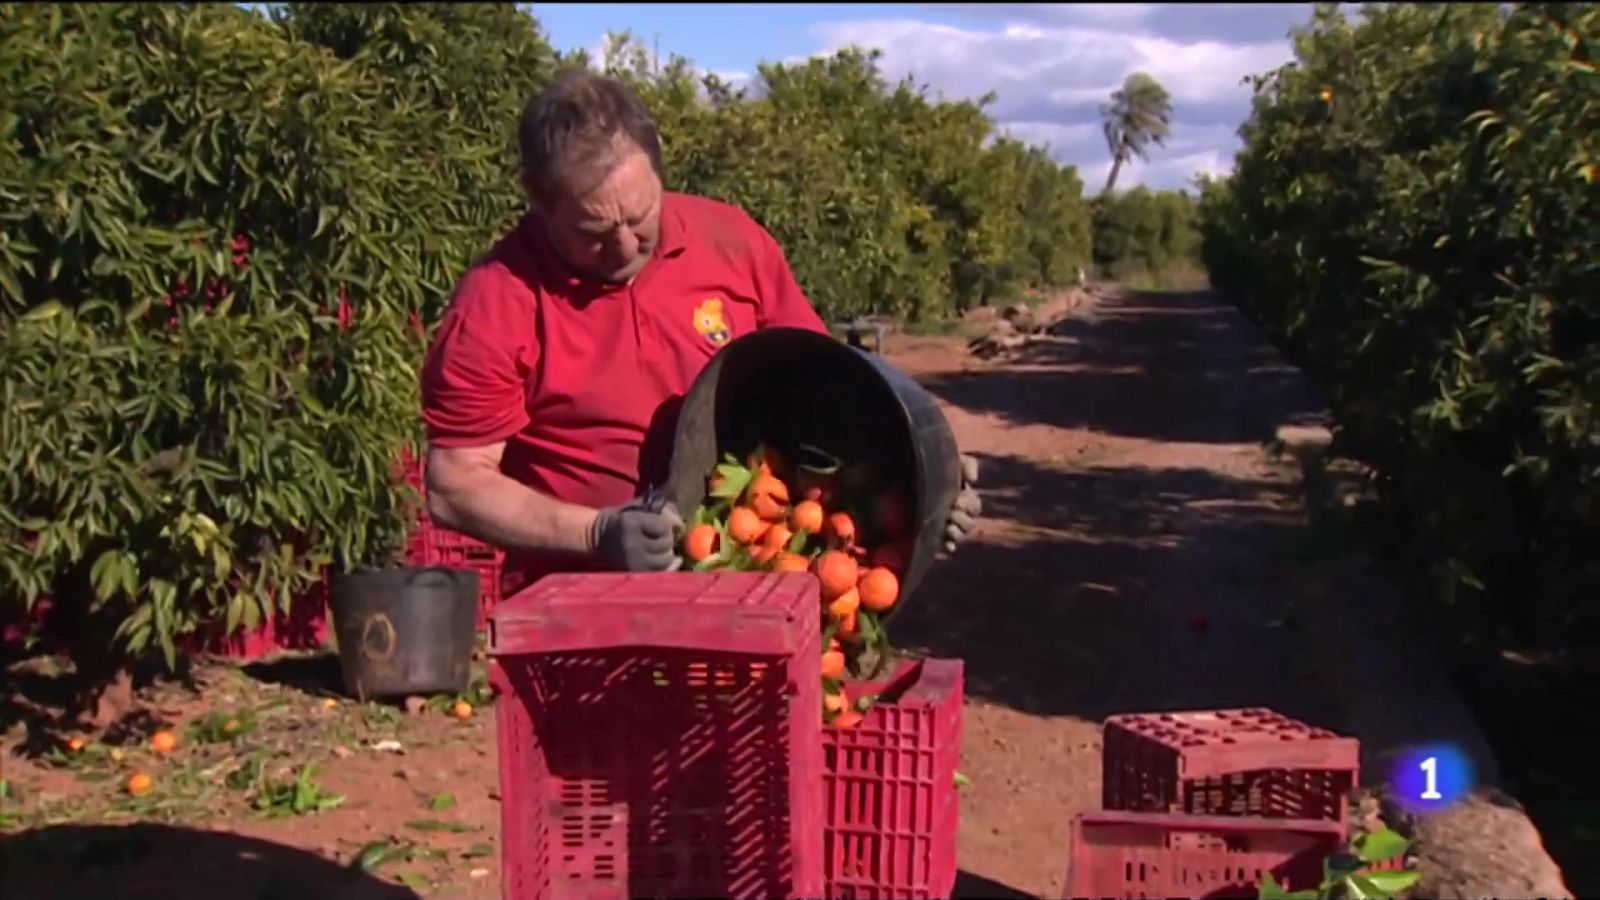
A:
224	237
1144	232
1414	216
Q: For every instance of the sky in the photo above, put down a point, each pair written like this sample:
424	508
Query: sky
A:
1052	65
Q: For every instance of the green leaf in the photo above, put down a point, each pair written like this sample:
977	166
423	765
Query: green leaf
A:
1380	846
1389	882
441	802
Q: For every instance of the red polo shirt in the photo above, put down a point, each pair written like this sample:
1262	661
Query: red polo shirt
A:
583	381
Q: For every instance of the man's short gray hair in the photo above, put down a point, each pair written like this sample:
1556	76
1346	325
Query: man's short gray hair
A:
569	134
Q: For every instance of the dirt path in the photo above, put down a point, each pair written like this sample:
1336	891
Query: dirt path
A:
1142	551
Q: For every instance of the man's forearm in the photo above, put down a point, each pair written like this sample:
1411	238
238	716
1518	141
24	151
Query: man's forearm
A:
483	503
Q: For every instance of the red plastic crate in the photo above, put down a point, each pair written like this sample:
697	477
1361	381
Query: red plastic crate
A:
304	627
431	545
660	735
892	802
1231	762
1132	854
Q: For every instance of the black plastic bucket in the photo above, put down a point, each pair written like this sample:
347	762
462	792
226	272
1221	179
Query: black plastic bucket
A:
788	387
405	631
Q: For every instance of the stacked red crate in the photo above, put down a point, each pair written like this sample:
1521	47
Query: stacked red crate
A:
660	735
1239	792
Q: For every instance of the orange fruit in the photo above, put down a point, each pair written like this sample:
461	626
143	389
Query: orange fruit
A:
701	542
835	703
845	605
461	710
790	562
769	486
163	742
767	507
842	529
232	725
848	718
764	553
745	526
833	664
778	536
138	783
837	572
75	744
893	517
879	589
807	516
848	626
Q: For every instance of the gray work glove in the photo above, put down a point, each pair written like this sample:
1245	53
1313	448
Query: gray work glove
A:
966	509
633	538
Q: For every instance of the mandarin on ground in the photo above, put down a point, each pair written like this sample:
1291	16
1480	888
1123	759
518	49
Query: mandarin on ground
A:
879	589
163	742
75	744
701	542
461	710
744	525
139	783
837	572
807	516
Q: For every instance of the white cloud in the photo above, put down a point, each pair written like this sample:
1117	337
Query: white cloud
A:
1053	66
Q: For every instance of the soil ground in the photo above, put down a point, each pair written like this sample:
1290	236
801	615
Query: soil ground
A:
1141	550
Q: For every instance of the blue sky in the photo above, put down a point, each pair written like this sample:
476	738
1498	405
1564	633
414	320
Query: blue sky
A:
1052	65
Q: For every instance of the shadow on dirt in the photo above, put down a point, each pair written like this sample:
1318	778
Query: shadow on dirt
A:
158	862
1123	589
317	673
976	887
1184	355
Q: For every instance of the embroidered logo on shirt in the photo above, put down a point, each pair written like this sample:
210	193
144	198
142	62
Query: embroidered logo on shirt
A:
709	321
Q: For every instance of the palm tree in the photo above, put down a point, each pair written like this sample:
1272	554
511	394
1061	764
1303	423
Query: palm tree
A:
1140	113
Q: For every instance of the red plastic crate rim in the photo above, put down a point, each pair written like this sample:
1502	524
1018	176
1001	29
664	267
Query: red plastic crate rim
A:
600	610
1139	854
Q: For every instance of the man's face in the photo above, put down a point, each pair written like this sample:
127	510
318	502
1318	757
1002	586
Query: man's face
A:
609	232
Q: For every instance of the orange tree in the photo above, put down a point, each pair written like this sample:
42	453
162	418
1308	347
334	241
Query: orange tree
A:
1413	216
226	234
215	239
1143	232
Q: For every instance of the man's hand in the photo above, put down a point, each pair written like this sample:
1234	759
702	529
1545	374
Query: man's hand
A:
967	508
633	539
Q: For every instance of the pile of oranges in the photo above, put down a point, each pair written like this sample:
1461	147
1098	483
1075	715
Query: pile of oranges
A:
820	517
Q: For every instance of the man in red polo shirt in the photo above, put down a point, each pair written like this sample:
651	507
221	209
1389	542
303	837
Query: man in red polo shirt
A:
551	390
